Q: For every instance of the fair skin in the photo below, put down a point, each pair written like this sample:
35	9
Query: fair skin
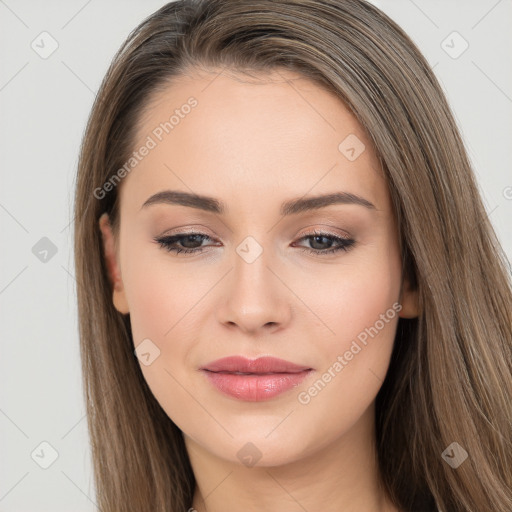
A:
253	146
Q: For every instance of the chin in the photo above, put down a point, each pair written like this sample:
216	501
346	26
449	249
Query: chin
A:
259	449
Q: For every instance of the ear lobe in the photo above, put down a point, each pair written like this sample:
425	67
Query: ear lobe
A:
114	273
409	301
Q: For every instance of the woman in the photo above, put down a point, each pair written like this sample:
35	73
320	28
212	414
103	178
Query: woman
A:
291	296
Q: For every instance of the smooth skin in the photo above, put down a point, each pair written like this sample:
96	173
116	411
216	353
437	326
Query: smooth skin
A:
254	145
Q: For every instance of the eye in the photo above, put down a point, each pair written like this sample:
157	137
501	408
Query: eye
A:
188	243
321	239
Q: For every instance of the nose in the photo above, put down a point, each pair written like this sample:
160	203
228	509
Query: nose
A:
254	298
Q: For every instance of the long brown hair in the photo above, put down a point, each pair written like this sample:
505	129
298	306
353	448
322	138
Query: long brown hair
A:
450	377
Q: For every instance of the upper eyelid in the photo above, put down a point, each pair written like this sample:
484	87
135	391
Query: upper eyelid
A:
314	227
312	233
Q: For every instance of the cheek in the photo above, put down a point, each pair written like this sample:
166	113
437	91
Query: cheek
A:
159	292
350	297
151	300
166	307
362	309
160	301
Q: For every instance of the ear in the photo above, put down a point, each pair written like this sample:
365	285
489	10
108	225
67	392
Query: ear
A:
119	297
409	299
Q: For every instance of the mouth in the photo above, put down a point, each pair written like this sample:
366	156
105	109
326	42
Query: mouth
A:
254	380
262	365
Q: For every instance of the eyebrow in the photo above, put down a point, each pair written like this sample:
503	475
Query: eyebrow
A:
292	207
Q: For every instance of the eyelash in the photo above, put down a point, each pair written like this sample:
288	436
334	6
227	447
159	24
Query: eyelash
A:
168	243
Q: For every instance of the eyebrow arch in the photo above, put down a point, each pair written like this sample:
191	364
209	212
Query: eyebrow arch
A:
295	206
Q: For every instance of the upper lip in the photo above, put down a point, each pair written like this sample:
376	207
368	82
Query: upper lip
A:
260	365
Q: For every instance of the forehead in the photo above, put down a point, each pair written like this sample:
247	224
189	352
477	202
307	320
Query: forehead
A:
251	139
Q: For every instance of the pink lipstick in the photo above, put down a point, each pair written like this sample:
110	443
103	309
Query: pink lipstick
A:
254	380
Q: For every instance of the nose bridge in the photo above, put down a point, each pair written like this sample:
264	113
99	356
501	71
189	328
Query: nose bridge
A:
254	296
251	275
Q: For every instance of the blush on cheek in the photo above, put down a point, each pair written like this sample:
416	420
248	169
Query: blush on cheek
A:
355	305
153	314
365	323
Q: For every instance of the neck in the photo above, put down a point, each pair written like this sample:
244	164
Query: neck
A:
341	476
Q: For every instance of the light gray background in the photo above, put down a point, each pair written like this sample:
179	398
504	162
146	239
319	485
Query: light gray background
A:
44	106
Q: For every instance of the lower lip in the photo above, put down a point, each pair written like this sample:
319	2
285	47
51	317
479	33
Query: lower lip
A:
255	387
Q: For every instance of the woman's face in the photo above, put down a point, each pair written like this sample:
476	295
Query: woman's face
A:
266	280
